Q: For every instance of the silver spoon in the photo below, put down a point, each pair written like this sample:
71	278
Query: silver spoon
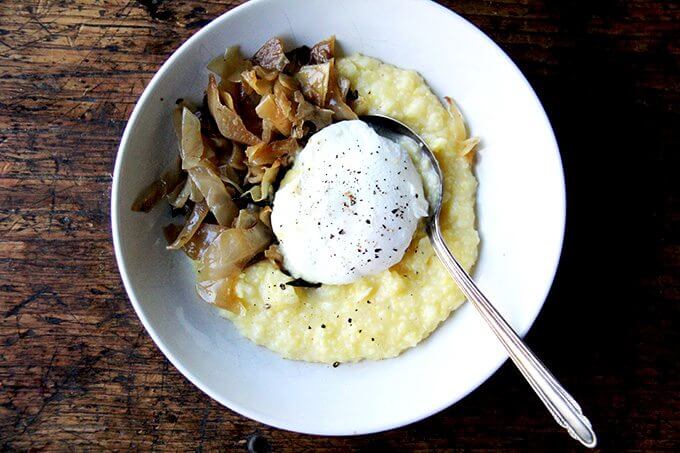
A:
561	405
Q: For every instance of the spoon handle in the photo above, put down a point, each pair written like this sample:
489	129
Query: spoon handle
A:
561	405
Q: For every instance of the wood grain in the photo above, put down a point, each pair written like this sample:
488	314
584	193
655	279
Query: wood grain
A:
78	371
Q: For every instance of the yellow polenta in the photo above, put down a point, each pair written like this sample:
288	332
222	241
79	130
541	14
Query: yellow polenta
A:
379	316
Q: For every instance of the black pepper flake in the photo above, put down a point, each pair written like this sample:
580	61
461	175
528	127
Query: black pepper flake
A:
368	301
378	250
267	306
323	326
341	232
349	320
309	327
372	339
336	364
282	286
368	221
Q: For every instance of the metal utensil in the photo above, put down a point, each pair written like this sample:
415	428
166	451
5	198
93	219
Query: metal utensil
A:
561	405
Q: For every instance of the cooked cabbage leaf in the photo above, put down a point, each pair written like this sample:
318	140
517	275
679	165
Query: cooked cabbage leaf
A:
228	121
192	225
216	196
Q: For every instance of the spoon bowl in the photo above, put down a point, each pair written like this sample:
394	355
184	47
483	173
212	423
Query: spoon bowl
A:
562	406
393	129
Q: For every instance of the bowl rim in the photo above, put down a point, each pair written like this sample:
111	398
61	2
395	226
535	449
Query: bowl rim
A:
177	363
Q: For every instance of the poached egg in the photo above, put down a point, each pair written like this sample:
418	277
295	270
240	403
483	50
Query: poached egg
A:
348	207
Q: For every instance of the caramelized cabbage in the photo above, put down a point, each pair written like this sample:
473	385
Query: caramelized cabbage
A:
282	97
224	259
228	121
336	100
266	154
192	225
270	174
232	249
149	197
177	117
258	84
341	110
228	175
265	190
269	110
266	216
466	145
195	194
220	293
230	65
246	101
343	84
237	158
306	111
271	55
268	75
220	144
267	130
180	195
314	81
288	82
254	176
209	156
247	218
201	240
458	122
191	148
155	192
323	51
216	196
226	99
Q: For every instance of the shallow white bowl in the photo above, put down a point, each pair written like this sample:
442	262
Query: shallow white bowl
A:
521	209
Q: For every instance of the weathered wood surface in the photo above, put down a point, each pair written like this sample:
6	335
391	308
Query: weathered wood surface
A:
78	371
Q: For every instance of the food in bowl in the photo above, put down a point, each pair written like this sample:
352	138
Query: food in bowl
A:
304	223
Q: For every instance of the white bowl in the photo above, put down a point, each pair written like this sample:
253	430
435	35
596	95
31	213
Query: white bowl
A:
521	211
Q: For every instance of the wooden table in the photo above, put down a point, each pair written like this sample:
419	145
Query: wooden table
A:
78	371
